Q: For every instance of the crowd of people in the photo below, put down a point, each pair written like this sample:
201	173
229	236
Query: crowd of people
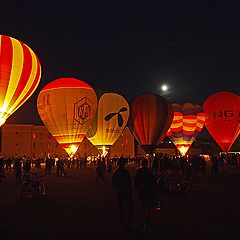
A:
149	180
195	164
150	177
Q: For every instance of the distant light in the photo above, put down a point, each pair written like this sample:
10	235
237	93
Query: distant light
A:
164	88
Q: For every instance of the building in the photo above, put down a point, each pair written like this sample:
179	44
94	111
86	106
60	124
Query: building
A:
28	140
36	141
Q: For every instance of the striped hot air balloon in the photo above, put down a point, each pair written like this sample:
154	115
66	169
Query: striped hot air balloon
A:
150	118
188	122
20	73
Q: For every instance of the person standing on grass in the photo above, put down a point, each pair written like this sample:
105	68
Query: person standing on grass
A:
121	182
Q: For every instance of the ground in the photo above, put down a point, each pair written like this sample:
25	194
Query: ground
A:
77	208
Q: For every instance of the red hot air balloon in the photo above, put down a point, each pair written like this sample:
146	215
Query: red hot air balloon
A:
20	73
223	118
150	118
187	123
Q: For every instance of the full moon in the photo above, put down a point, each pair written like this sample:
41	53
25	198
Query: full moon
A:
164	88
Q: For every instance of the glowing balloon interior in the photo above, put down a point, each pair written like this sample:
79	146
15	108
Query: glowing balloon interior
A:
67	107
223	118
110	121
20	73
187	123
151	117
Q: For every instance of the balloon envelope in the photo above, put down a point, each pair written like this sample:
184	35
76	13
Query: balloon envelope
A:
223	118
150	118
67	107
187	123
111	118
20	73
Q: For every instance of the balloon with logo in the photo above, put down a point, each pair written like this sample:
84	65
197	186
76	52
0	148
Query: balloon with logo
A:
67	107
111	119
150	118
188	122
223	118
20	73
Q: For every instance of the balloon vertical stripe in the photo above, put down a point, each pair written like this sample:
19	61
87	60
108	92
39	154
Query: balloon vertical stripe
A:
17	65
32	84
6	56
26	70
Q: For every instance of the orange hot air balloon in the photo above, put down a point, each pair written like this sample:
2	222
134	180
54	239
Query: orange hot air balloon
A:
67	107
20	73
223	118
110	121
188	122
150	118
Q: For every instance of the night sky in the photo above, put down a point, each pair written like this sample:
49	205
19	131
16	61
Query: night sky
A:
130	47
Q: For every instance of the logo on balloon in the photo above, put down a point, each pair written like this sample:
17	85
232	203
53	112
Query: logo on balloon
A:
120	118
82	110
225	114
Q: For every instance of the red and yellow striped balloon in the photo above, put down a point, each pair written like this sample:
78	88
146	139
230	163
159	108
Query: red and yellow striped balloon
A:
20	73
188	122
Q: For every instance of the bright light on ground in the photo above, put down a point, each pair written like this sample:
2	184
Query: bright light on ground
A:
164	88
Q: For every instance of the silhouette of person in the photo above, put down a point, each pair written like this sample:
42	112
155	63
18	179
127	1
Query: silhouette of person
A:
146	186
101	166
26	167
18	169
121	181
60	168
215	165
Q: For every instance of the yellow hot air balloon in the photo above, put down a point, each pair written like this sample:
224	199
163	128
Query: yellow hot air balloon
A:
67	107
110	120
20	73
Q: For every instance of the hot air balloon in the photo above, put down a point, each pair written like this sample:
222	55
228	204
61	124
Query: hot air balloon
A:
20	73
150	118
223	118
67	107
111	119
188	122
